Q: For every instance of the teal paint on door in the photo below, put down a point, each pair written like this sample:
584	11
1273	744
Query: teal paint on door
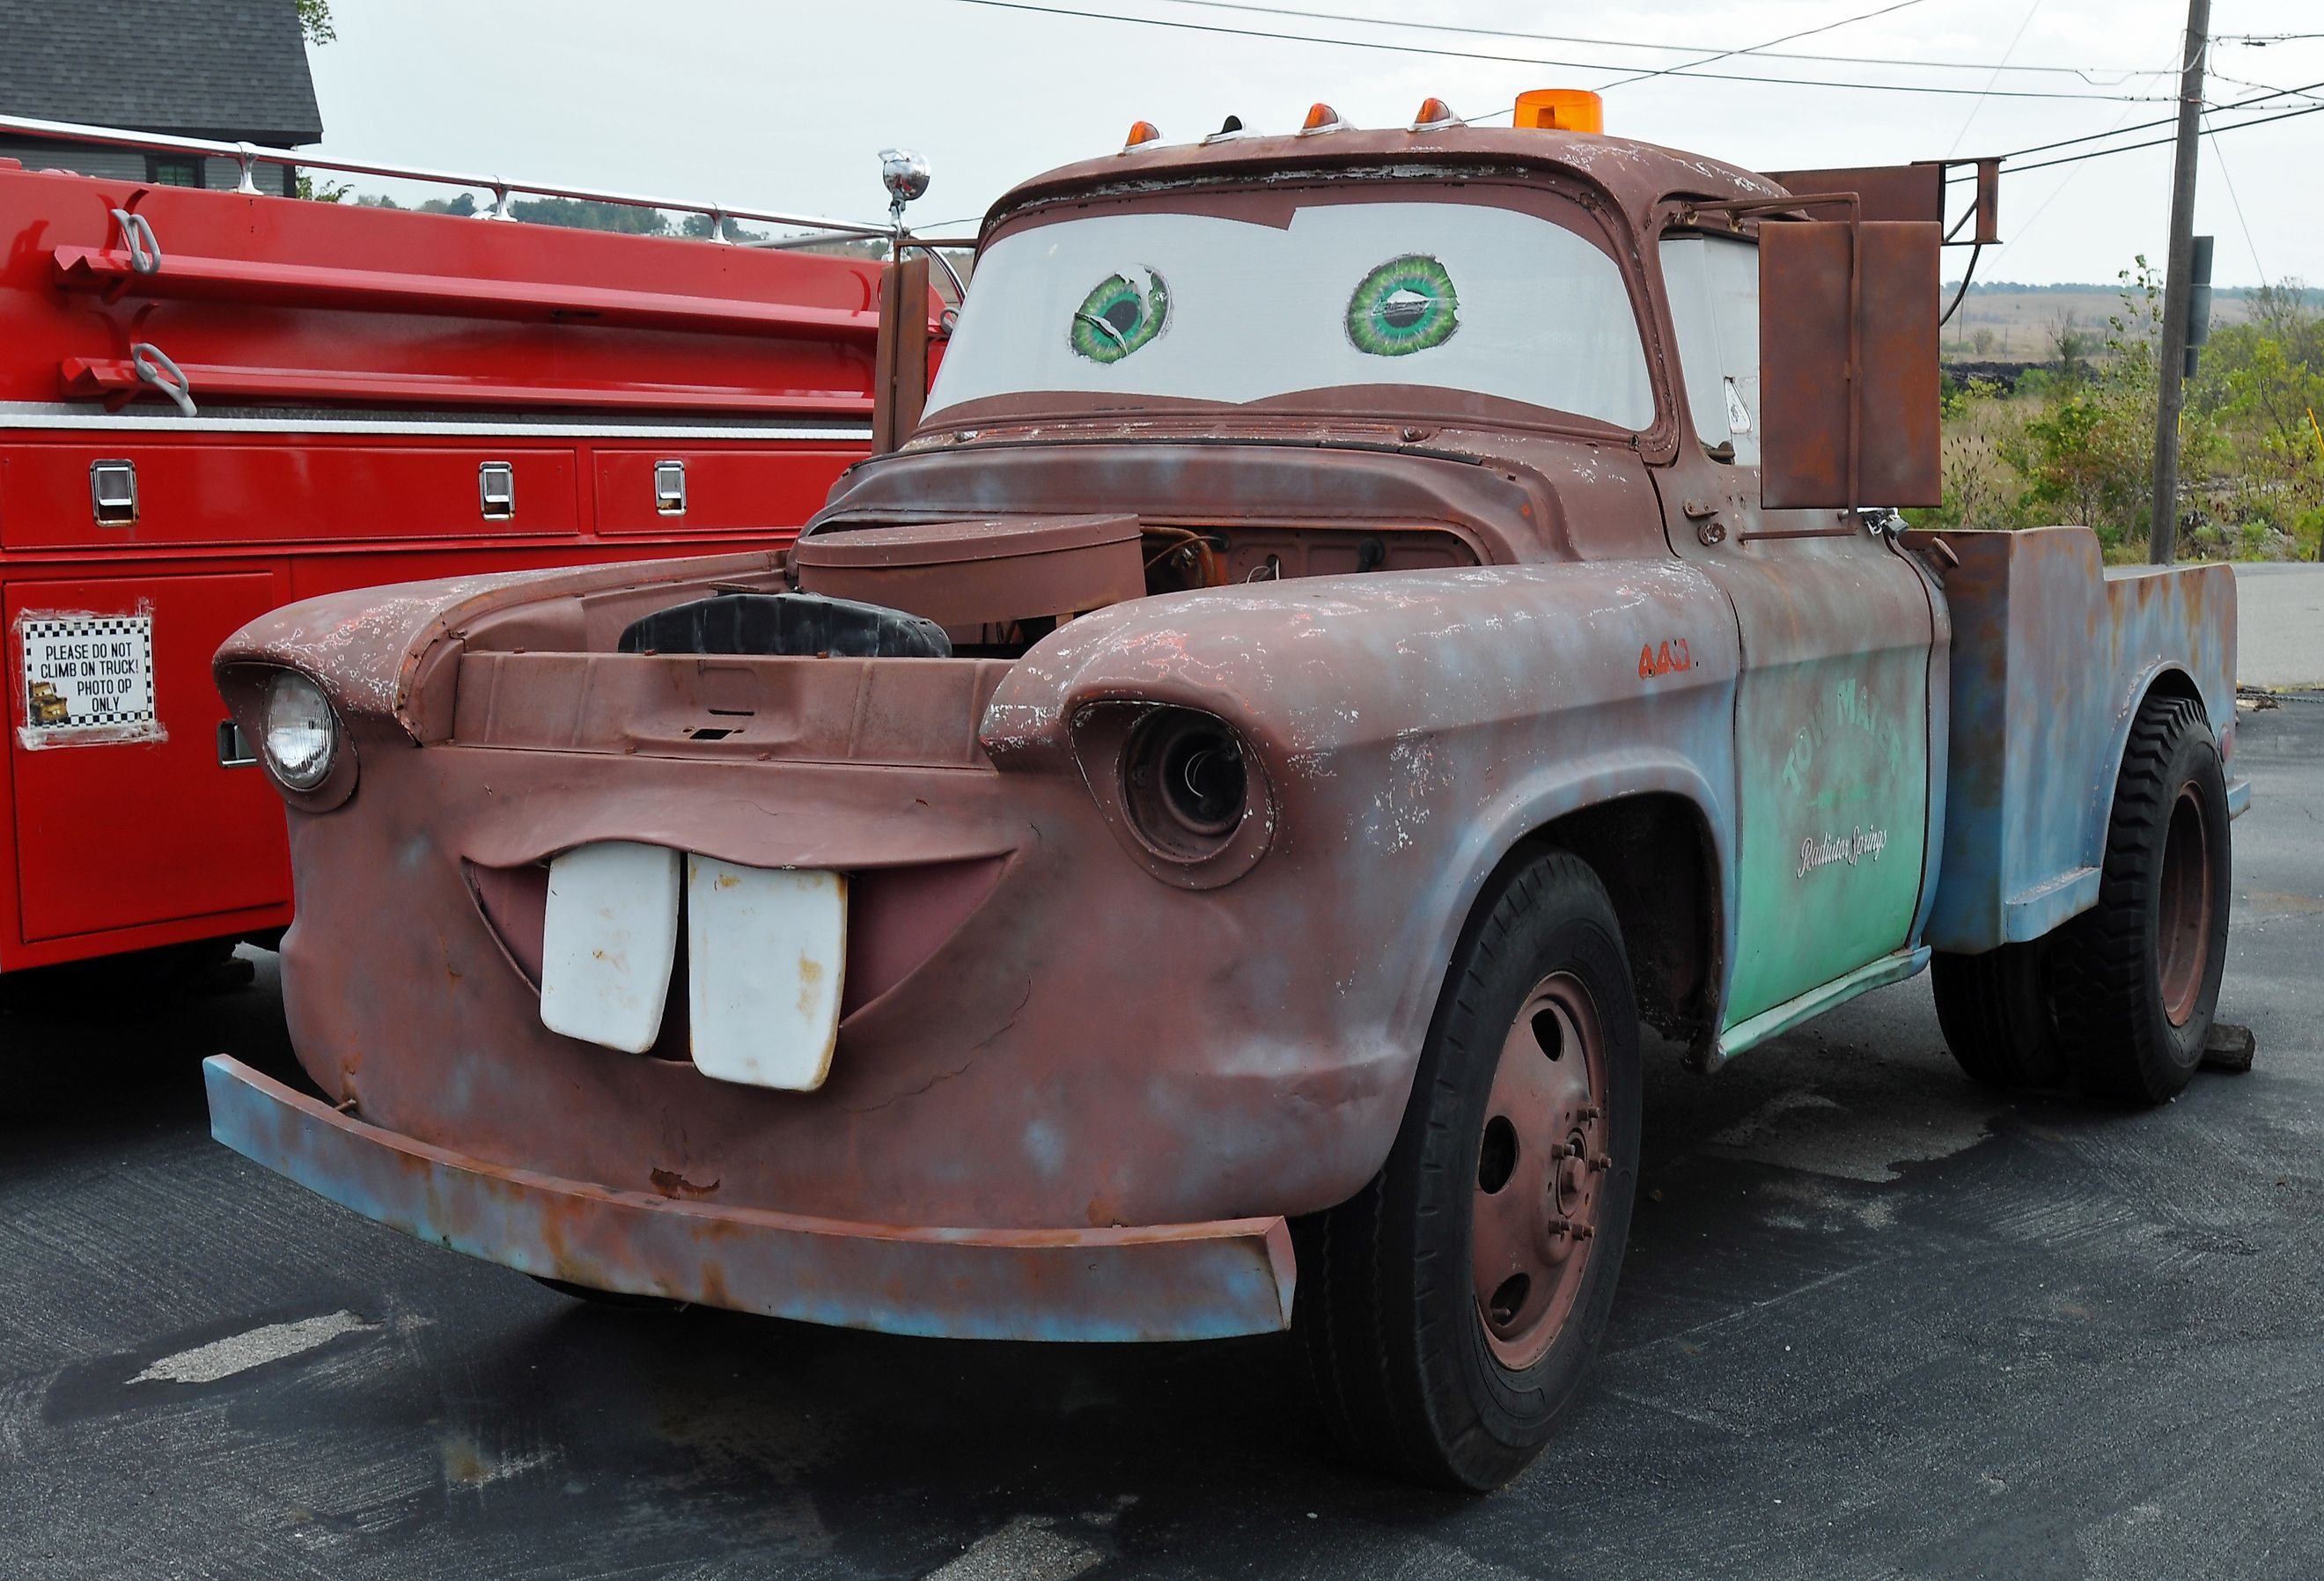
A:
1834	760
1831	712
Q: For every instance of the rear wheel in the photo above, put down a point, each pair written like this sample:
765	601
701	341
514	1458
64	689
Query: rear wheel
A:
1449	1308
1997	1018
2138	975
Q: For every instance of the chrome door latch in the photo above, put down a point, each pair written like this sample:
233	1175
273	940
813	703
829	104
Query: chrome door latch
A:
496	490
113	493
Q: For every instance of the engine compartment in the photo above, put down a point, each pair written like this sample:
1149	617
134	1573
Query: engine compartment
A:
987	589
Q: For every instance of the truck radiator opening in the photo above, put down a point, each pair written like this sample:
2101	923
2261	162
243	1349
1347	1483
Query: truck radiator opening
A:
786	625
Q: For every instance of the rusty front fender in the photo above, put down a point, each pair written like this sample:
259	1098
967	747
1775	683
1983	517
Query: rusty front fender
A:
1416	728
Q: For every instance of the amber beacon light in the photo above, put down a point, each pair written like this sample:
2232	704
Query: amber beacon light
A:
1561	109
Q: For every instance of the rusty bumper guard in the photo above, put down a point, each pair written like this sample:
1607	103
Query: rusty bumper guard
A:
1165	1282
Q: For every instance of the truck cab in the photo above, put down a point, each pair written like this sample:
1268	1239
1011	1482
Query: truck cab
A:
1187	844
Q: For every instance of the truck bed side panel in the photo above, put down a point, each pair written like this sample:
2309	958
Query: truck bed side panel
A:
2051	657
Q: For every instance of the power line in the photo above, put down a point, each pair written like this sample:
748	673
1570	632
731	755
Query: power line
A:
2234	197
2072	176
2246	82
2087	73
2159	142
1713	59
2013	40
1026	5
2162	121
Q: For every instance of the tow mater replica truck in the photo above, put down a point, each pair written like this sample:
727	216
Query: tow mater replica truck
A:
1185	846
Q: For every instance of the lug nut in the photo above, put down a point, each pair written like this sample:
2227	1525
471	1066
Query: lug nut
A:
1600	1163
1582	1232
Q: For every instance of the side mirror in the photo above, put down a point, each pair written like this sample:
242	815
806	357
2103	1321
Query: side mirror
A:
1848	363
900	363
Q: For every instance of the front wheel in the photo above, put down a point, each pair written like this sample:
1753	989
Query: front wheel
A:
1448	1309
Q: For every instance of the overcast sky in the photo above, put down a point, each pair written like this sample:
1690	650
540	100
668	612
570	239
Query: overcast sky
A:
784	104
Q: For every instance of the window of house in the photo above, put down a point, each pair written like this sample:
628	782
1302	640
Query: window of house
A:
173	170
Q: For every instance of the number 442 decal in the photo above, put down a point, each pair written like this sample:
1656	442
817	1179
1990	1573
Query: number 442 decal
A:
1669	659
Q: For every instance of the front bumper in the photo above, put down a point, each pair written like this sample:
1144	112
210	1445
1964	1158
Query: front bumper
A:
1165	1282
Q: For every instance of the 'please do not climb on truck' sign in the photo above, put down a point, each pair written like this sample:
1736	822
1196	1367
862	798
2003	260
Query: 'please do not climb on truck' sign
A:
86	679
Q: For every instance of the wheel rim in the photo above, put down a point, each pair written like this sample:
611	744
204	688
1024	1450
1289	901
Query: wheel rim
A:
1542	1165
2182	942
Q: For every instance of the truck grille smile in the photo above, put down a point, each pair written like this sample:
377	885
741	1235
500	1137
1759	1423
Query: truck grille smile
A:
889	923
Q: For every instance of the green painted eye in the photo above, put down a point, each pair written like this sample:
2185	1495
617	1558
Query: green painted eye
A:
1119	316
1405	305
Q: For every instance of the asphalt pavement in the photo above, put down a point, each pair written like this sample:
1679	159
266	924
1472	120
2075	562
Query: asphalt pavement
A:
1874	1323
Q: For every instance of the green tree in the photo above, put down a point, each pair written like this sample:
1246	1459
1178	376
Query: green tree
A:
315	21
575	215
698	226
2264	381
2088	457
2064	456
462	204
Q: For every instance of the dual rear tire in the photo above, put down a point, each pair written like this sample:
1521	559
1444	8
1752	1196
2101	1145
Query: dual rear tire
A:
2118	1001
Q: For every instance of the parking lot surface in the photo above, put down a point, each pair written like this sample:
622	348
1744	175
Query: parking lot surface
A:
1875	1322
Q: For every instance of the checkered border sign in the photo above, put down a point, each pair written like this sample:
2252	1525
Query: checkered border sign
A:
140	626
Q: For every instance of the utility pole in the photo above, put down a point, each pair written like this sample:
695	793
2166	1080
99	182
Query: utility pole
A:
2162	534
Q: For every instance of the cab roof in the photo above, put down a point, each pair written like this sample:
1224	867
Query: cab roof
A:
1634	176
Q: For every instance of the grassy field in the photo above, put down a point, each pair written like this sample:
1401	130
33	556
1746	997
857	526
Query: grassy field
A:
2050	411
2024	323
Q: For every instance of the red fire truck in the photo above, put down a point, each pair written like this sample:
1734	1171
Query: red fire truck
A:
212	404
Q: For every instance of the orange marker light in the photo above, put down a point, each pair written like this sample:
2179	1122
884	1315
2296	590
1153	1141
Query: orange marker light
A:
1141	133
1561	109
1434	112
1322	118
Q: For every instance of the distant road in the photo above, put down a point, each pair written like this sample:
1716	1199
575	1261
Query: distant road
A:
2279	628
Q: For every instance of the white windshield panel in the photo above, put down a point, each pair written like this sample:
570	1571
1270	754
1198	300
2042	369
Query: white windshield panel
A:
1459	297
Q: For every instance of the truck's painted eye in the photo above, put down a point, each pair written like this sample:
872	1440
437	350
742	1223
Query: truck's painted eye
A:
1121	315
1405	305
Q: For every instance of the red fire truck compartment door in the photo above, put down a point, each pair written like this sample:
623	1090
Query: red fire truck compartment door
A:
295	494
765	491
111	835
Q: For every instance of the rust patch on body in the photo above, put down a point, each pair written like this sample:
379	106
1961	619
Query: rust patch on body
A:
675	1185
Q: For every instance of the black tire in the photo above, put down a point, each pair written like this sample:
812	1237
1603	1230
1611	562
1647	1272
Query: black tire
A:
1998	1017
2137	976
1398	1339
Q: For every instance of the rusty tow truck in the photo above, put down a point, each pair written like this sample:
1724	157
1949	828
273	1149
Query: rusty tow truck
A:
1184	846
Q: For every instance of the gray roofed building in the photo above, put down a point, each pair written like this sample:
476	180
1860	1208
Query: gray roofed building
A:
235	70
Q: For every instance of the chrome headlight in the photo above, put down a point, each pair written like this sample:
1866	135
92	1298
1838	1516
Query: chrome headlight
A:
302	736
